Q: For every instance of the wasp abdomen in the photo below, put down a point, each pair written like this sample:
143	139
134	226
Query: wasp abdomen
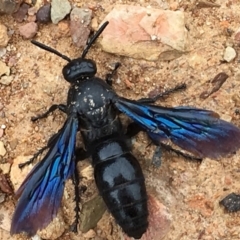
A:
120	181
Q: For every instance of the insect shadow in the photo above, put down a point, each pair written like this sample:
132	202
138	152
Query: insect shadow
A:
93	108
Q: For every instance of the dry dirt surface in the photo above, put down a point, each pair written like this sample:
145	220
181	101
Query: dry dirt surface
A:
191	191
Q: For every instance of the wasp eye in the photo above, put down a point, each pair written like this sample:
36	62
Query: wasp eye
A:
68	71
90	65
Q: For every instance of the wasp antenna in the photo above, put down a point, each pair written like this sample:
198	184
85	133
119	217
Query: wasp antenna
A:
94	38
49	49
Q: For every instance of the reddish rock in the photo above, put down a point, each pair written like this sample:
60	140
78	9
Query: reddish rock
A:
202	204
129	84
79	25
4	184
145	33
21	13
28	30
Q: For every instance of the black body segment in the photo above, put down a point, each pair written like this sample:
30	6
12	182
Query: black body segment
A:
120	181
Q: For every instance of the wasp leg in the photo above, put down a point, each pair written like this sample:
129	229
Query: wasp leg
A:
80	155
54	107
133	129
109	76
61	107
179	153
164	94
157	157
35	155
75	180
40	151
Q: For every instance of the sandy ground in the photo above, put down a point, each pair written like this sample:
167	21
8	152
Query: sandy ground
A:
190	191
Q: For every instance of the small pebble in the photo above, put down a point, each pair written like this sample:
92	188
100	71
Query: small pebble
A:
237	37
13	143
63	28
94	24
2	199
229	54
3	150
3	36
90	234
2	114
21	13
43	14
1	132
36	237
28	30
9	6
80	20
59	10
6	80
32	11
4	184
38	3
129	84
12	61
91	212
5	168
10	32
31	18
4	69
2	52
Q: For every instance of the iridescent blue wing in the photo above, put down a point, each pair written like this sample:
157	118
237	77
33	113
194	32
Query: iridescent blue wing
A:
42	190
198	131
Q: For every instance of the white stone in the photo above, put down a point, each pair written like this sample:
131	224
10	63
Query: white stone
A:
229	54
3	150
